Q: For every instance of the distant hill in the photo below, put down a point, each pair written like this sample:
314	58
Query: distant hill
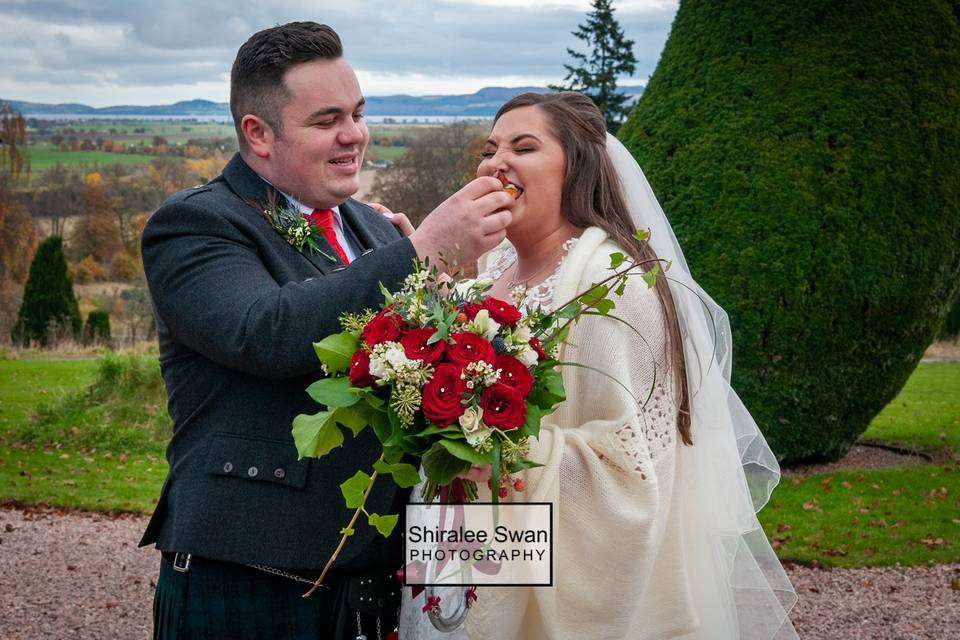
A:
482	104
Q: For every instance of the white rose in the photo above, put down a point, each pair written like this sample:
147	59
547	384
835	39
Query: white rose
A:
378	367
396	356
471	422
527	356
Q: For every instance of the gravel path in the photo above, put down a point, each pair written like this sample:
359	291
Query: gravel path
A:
80	575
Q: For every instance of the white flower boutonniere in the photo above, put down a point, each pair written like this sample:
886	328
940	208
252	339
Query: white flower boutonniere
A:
291	224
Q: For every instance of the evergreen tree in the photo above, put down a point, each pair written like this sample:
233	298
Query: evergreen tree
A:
611	56
808	156
97	327
48	301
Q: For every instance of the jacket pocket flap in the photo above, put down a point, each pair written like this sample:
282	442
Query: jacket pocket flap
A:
259	459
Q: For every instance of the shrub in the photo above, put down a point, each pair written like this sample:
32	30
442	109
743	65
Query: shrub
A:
808	156
97	328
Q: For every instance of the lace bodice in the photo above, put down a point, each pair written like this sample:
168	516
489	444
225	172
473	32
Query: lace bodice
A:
539	296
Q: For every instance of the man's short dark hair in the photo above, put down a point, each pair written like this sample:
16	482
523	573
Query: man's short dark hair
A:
256	80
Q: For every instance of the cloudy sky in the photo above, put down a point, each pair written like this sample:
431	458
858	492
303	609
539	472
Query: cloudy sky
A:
108	52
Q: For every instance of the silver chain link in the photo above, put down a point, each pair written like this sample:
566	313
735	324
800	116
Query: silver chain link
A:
283	574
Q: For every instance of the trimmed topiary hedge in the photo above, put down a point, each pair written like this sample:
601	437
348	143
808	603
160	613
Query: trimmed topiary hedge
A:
808	157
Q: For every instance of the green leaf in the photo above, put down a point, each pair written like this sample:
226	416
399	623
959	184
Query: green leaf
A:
346	531
336	350
616	259
354	418
404	475
448	432
392	454
441	466
605	306
642	235
387	296
531	424
594	295
520	465
316	435
650	276
464	451
333	392
354	488
384	524
381	426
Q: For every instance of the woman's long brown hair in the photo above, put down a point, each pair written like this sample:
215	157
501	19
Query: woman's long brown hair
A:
592	196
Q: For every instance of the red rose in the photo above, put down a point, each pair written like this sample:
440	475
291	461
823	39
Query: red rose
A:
441	396
514	373
535	344
360	369
502	311
503	407
470	309
383	327
415	345
469	347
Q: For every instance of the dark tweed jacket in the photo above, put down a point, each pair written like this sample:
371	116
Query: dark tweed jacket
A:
237	308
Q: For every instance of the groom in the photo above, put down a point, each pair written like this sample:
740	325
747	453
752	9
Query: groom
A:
242	523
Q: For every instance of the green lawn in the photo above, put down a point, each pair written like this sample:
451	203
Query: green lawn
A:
26	383
926	414
93	482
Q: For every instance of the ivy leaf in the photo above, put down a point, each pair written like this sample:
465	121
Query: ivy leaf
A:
464	451
650	277
441	466
605	306
642	235
520	465
616	259
346	531
387	296
336	350
316	435
384	524
354	488
355	419
531	425
404	475
333	392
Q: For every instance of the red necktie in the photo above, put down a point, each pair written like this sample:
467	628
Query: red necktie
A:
323	220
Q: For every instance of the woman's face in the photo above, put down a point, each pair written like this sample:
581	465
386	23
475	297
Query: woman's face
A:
522	150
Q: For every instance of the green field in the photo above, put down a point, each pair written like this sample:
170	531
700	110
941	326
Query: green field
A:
44	157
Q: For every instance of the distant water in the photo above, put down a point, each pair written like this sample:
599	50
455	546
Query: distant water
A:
222	118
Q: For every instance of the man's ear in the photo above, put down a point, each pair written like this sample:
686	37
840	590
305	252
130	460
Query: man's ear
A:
258	134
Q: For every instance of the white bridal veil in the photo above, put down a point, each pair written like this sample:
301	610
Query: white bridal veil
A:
740	589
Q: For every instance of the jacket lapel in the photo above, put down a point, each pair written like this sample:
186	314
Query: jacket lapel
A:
256	192
369	227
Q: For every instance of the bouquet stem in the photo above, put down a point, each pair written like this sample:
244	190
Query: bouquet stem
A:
343	538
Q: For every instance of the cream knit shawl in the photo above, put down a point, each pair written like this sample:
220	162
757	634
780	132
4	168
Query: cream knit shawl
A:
610	466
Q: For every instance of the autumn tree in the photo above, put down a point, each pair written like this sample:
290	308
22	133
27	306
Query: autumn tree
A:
610	56
434	166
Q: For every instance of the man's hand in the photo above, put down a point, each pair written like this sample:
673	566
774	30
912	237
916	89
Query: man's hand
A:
467	224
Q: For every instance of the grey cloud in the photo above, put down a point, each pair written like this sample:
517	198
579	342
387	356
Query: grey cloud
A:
147	43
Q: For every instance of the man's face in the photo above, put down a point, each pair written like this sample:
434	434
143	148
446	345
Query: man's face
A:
316	157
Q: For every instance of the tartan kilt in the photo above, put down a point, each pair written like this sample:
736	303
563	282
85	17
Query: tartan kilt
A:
225	601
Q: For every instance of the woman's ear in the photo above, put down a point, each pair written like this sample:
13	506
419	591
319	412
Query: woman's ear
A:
258	134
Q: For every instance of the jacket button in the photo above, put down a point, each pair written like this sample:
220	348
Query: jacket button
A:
279	474
228	467
252	472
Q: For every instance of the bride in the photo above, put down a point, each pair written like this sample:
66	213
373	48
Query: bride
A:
655	528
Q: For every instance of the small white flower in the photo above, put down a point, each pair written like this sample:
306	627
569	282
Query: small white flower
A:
378	367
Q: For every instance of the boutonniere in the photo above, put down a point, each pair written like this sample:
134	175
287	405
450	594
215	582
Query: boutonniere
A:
291	224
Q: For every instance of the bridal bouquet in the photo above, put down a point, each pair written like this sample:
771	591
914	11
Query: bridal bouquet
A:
446	374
